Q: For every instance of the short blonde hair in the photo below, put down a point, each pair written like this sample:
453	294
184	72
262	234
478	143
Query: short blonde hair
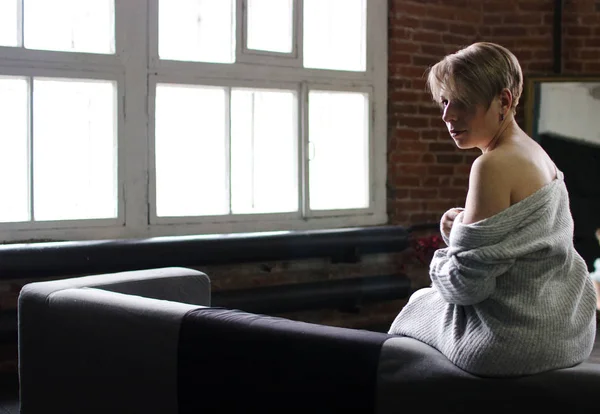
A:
476	75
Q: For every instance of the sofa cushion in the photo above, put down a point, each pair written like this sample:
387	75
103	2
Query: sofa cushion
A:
413	373
254	363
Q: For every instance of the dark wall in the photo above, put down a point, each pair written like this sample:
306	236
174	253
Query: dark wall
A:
580	163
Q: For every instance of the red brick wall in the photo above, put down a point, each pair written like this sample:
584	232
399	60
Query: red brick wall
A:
426	173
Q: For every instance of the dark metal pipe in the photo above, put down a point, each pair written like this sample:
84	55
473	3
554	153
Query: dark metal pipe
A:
343	294
557	36
39	260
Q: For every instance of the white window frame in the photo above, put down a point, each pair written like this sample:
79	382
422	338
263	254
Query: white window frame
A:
136	68
245	55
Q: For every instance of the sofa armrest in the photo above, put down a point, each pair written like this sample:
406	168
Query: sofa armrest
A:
94	351
176	284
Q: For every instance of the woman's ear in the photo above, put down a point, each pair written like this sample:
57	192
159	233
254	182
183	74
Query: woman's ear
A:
506	100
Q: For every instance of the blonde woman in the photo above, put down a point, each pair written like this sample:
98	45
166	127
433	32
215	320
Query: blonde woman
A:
510	296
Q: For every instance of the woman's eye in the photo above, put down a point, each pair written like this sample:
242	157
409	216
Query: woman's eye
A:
444	102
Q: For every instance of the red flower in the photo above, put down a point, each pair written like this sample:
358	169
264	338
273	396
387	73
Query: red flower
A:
424	247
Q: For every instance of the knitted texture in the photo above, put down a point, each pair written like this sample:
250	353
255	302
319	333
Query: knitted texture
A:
510	295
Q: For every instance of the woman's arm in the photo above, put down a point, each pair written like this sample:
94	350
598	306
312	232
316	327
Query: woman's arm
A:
460	276
489	188
462	279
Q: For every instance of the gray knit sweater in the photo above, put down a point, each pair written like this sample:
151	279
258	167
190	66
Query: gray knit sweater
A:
510	295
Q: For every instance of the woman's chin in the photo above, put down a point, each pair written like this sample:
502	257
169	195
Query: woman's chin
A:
461	143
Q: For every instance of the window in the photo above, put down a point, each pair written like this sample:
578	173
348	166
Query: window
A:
126	119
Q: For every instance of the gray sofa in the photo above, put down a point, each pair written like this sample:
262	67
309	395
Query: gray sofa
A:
149	342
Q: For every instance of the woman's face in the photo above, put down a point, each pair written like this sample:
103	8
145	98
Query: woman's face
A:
471	127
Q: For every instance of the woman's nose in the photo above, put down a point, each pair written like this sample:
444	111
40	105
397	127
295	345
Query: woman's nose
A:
449	113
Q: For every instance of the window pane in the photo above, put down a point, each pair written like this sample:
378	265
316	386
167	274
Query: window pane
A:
70	25
270	25
263	151
335	39
339	150
74	149
197	30
8	22
14	164
190	147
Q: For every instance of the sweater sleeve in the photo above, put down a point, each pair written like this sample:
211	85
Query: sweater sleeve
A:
462	278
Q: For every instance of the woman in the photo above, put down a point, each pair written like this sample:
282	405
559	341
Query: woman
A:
510	295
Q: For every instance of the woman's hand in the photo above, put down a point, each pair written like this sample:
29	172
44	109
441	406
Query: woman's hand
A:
448	220
598	235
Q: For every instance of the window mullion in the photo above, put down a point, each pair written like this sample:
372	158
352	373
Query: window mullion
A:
303	172
30	149
240	26
20	24
228	165
131	33
299	30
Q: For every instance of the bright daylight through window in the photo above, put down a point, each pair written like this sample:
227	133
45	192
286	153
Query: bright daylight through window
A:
171	117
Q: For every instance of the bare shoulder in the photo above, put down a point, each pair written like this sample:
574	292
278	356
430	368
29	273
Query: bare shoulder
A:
529	168
504	176
489	187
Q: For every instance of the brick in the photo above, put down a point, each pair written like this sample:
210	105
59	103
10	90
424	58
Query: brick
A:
405	133
593	42
424	218
574	67
413	121
403	45
429	134
415	147
591	67
440	170
423	193
442	147
458	40
426	61
406	157
590	20
437	206
400	58
540	67
450	158
418	83
431	109
408	71
458	193
509	31
418	170
578	31
590	54
536	6
427	37
405	20
427	158
434	25
463	29
409	8
436	122
404	96
408	206
403	181
527	19
462	169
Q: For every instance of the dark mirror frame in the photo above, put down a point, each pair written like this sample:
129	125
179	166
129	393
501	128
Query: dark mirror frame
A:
580	162
532	97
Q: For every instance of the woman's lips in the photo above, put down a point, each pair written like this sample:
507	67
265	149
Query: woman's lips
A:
457	132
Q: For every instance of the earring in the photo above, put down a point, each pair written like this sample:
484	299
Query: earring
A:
501	117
